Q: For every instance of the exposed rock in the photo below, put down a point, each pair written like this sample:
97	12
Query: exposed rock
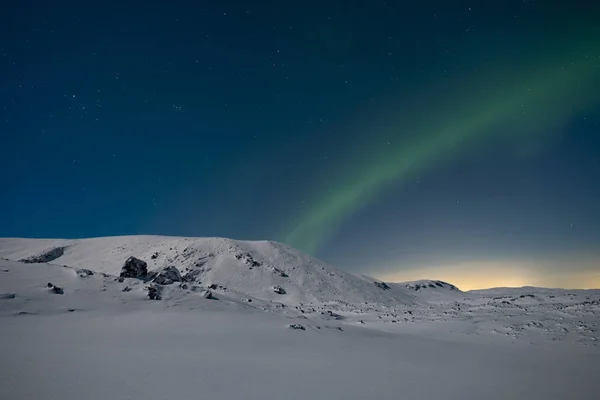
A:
213	286
279	290
167	276
134	268
297	326
248	259
46	257
333	315
126	289
85	273
207	294
57	290
192	276
381	285
4	296
49	284
154	292
280	272
183	286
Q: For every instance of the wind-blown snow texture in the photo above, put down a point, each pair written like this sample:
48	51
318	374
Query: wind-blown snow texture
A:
352	337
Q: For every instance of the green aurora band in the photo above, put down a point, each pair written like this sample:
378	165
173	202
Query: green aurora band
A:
525	106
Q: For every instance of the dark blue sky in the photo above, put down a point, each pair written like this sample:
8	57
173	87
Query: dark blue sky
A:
251	119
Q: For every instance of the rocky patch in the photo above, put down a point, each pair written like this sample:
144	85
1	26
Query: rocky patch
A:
280	272
134	268
279	290
248	259
46	257
167	276
381	285
154	292
55	289
83	273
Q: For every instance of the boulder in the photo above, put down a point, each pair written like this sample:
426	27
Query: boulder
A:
297	326
134	268
167	275
154	292
85	273
207	294
279	290
57	290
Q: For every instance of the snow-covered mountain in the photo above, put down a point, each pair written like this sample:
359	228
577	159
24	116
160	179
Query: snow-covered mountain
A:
261	315
262	270
272	277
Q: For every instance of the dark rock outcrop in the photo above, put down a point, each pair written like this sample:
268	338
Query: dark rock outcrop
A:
57	290
279	290
134	268
192	276
167	275
154	292
46	257
297	326
85	273
280	272
381	285
248	259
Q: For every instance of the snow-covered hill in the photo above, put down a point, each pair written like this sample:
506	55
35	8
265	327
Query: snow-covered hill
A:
428	285
274	322
263	270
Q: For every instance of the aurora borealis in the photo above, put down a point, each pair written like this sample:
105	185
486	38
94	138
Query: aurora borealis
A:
397	140
536	105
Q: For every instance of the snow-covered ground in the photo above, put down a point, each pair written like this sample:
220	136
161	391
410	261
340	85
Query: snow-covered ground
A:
69	333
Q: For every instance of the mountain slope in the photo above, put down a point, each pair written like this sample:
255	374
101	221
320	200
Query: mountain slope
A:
263	270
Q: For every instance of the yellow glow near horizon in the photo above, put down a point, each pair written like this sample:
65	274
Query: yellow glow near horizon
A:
488	274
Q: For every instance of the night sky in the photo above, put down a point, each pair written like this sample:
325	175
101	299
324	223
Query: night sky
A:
456	140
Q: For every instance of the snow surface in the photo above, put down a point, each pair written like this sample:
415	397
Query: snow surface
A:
362	338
